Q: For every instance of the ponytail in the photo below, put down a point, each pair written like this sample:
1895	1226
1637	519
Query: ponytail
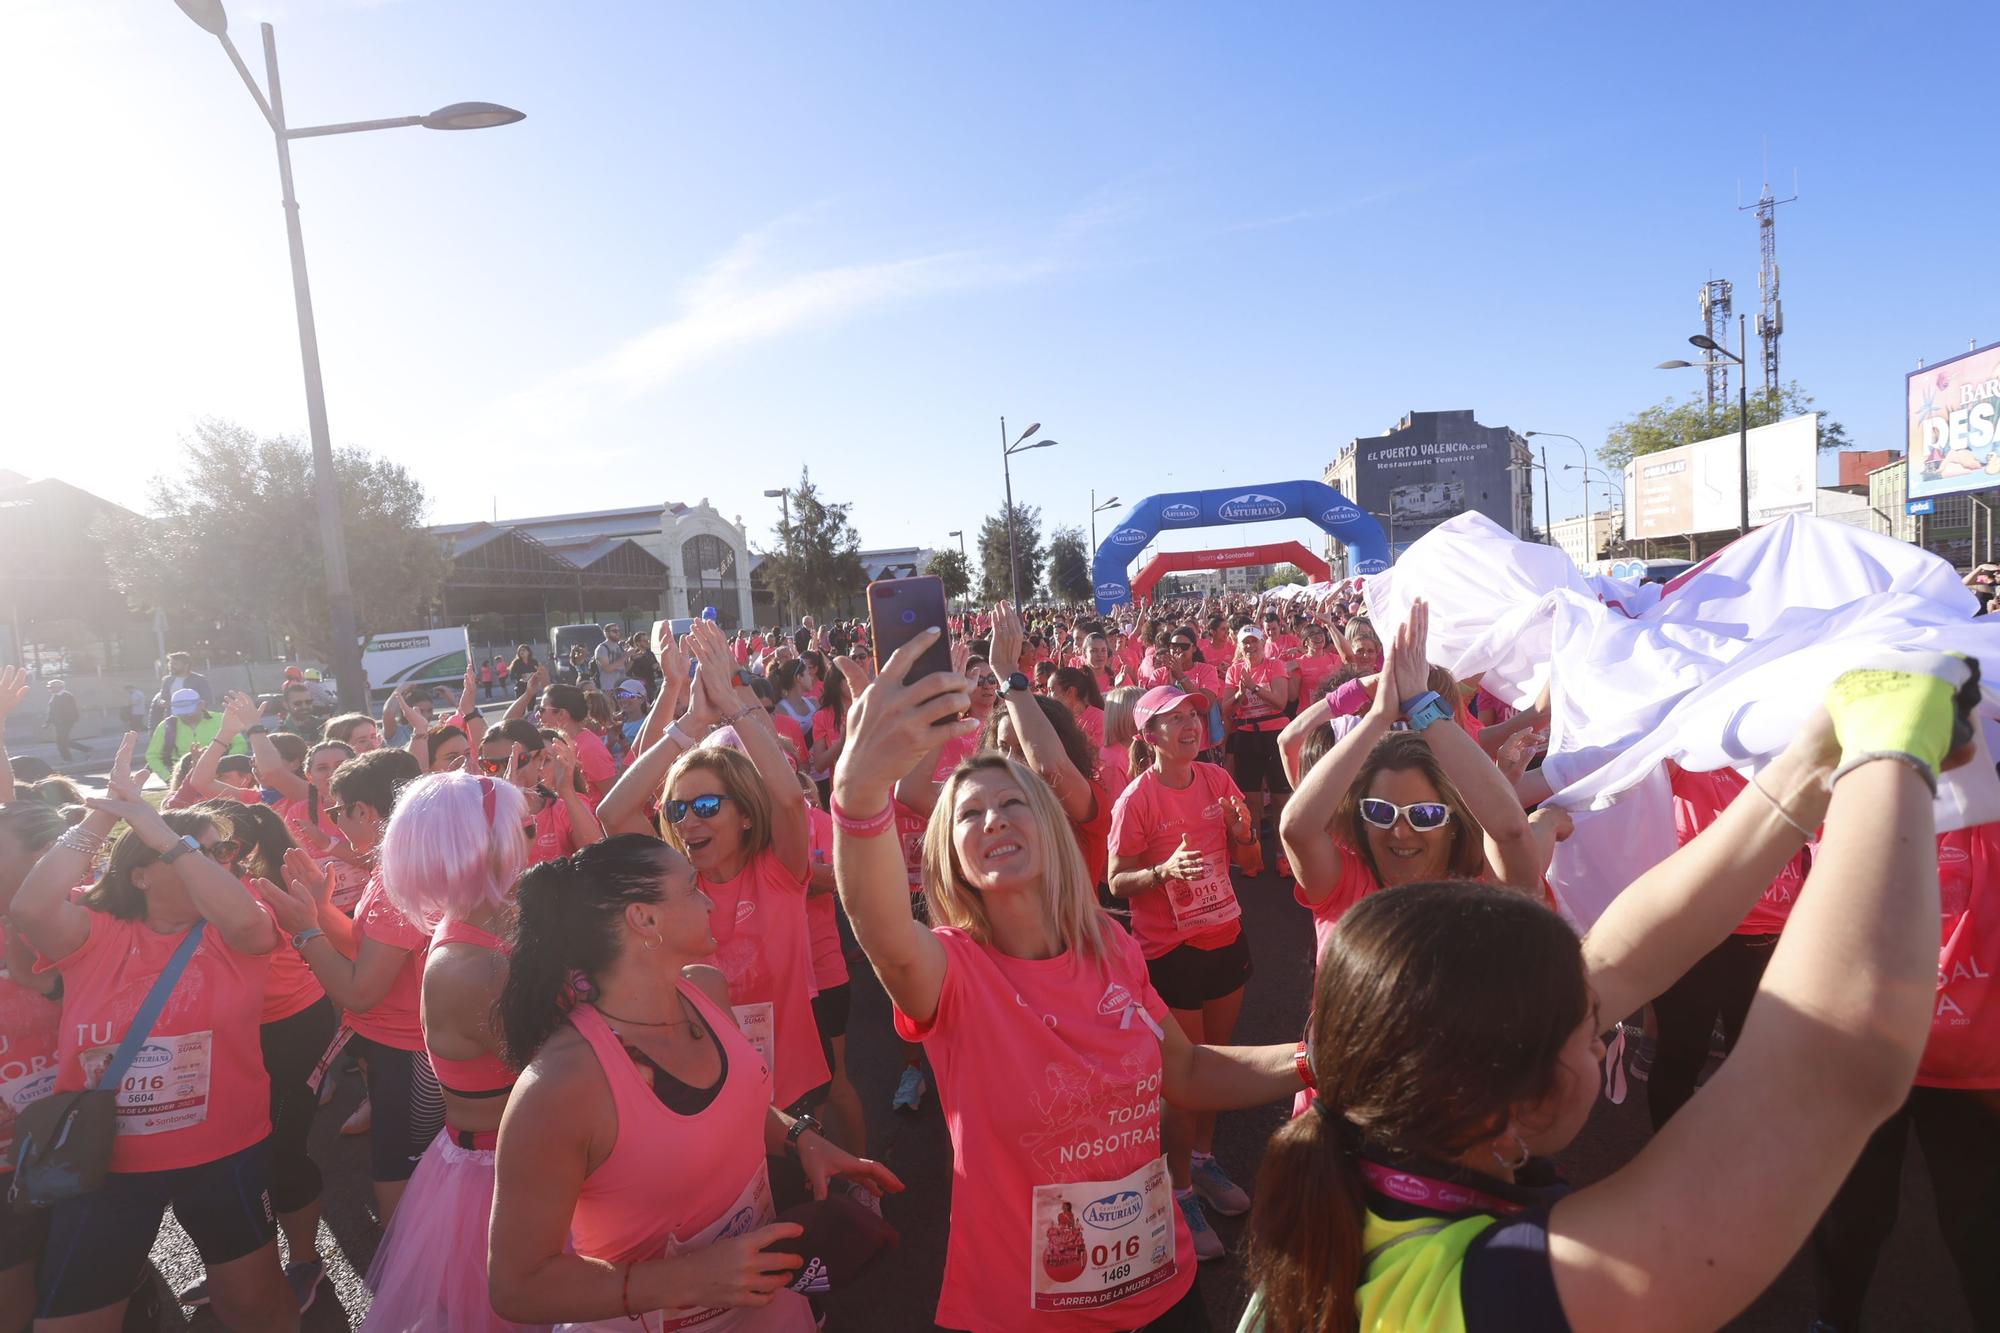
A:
567	931
1304	1257
1142	753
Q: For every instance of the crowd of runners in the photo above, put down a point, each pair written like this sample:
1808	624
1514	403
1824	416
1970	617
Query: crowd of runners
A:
591	956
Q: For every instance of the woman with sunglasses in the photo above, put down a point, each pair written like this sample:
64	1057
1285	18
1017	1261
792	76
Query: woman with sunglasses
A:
741	823
372	967
196	1141
1388	807
1172	833
1179	663
559	817
1256	695
448	859
1455	1039
1027	997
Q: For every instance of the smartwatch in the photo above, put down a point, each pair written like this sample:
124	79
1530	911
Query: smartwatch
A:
188	843
306	936
1017	681
805	1124
1426	709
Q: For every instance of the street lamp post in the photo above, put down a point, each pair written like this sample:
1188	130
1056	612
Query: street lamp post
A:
1095	510
1007	451
784	499
1390	519
1708	344
964	563
209	16
1586	468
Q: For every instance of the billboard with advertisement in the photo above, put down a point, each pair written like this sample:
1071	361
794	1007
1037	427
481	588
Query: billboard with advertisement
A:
1954	422
1698	487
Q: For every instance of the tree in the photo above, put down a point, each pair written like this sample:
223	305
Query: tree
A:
1676	421
816	564
234	537
993	552
1069	565
952	571
1283	575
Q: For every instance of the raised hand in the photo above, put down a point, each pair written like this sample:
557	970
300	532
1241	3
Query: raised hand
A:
1005	657
562	762
292	906
305	875
121	784
1185	863
239	713
13	689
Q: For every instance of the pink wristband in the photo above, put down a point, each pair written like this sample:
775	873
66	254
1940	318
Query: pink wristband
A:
873	826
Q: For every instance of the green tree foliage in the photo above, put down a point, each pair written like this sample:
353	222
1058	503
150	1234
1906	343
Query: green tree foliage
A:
1684	421
952	571
816	565
1283	575
234	536
993	552
1069	565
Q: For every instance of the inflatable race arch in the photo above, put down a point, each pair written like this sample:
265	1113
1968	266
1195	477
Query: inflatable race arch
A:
1234	557
1314	501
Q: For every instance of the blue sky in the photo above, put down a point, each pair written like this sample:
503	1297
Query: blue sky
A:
1203	245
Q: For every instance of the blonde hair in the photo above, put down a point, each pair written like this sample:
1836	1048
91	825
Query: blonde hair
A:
739	778
1069	902
1119	724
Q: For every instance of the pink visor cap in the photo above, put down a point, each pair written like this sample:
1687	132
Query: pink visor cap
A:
1163	699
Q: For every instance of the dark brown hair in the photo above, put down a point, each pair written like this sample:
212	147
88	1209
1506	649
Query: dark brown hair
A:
1068	730
1403	752
115	893
1437	1009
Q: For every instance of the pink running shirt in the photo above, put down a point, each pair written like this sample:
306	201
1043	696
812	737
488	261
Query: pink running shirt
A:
1699	799
28	1044
763	946
1964	1048
395	1020
829	964
1147	824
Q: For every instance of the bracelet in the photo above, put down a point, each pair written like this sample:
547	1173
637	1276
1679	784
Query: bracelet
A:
1303	1063
679	737
625	1293
77	838
743	712
1783	813
874	825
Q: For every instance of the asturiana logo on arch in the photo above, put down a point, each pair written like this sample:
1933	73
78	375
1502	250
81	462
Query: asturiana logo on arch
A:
1339	517
1111	592
1129	537
1181	513
1249	506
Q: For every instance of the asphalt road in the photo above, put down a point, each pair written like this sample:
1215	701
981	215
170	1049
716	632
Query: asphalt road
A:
1914	1290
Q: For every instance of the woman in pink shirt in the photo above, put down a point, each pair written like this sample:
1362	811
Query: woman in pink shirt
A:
1257	691
1114	760
1052	1050
631	1174
1077	690
29	1019
742	823
191	1132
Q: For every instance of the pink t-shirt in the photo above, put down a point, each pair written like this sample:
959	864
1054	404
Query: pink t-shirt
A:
825	731
763	946
1114	769
910	828
554	833
1092	722
197	1091
788	730
1964	1047
1048	1071
28	1047
1314	668
290	986
829	964
594	761
396	1020
1699	798
1269	674
1357	881
953	753
1147	825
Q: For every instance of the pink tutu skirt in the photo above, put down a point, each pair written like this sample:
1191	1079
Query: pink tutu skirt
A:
430	1272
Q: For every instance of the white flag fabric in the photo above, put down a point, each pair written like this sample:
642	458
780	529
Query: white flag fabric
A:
1716	669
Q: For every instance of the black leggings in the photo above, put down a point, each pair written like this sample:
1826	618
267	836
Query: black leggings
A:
1719	986
1959	1129
408	1108
292	1046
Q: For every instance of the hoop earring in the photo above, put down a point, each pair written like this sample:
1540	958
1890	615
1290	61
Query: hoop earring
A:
653	941
1513	1164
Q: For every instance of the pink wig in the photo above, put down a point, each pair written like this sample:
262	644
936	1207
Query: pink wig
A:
454	846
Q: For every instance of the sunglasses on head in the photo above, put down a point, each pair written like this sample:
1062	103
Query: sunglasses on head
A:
1423	815
704	806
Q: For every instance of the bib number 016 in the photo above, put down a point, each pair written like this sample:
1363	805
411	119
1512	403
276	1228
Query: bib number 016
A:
1120	1253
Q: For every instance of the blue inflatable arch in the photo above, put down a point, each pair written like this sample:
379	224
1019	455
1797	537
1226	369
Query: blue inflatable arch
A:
1314	501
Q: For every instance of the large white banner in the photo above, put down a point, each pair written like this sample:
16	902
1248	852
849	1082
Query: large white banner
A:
1697	487
1718	669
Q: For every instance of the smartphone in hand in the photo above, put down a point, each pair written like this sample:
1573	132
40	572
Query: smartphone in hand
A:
901	609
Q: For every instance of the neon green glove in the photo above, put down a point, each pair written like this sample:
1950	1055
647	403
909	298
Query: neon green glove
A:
1916	707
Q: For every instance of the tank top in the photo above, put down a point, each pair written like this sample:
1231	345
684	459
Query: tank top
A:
28	1046
483	1075
675	1184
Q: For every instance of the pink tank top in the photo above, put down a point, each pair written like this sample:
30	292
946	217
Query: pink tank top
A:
483	1075
670	1177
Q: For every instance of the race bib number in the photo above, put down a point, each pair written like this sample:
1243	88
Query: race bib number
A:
760	1024
167	1086
1100	1241
1208	900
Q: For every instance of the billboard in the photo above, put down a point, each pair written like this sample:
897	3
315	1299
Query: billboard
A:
1954	410
1698	487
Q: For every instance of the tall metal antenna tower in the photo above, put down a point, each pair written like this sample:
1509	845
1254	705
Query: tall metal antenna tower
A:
1715	312
1771	313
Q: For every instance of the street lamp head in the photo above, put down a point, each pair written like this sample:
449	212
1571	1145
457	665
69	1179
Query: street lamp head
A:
773	495
1704	342
1675	365
1107	504
955	532
207	15
460	115
1039	444
1029	431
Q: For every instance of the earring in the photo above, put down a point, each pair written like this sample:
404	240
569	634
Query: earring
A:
1512	1164
654	941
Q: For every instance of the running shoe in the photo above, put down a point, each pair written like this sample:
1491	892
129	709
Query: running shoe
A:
304	1278
1207	1245
909	1090
359	1121
1217	1189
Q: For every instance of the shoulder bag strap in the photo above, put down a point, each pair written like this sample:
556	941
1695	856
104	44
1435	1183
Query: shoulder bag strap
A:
149	1012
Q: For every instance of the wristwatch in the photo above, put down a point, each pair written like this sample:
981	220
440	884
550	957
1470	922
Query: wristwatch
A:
305	937
1017	681
805	1124
188	843
1425	709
